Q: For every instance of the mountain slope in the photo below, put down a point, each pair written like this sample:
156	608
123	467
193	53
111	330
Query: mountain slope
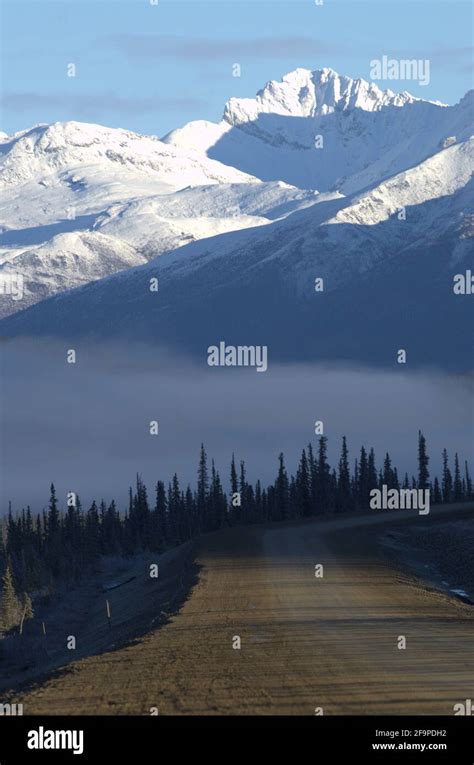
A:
67	260
388	281
326	131
238	255
64	186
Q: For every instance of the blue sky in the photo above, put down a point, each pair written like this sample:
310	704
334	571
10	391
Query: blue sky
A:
151	68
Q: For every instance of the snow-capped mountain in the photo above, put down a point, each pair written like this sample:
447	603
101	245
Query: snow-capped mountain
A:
79	202
387	258
76	153
322	130
386	231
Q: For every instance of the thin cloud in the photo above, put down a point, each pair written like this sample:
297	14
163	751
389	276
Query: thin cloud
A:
452	54
466	68
140	47
89	105
441	55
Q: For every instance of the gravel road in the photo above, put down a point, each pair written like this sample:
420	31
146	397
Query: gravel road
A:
306	642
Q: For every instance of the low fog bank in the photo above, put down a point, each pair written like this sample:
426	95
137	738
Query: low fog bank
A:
85	426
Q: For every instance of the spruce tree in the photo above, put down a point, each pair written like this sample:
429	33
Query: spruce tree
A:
293	497
53	514
303	494
395	481
10	608
189	508
202	487
281	511
243	509
447	481
313	479
343	501
323	477
216	500
234	486
423	460
363	479
174	507
457	487
53	536
468	480
387	476
159	520
371	471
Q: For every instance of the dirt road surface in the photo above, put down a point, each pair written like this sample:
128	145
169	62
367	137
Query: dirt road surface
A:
307	642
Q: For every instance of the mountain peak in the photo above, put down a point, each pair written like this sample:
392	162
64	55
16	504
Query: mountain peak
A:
306	93
367	133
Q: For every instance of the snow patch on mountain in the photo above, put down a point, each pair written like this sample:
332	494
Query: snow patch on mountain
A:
439	176
66	261
163	223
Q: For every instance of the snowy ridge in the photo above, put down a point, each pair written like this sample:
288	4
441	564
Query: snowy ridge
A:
69	146
303	93
74	194
367	134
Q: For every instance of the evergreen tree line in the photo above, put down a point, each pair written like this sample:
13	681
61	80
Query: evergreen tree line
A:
38	551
